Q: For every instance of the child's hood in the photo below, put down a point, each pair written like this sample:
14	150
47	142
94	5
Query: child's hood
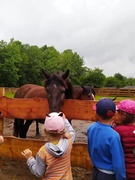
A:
59	149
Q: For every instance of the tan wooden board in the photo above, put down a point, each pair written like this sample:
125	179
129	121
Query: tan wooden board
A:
12	148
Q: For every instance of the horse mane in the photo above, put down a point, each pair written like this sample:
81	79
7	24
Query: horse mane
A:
55	78
69	90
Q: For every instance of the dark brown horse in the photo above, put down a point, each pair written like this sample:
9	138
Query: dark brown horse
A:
57	89
83	93
79	92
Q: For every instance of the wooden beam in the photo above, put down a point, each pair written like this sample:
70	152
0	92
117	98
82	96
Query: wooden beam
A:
1	126
37	108
12	148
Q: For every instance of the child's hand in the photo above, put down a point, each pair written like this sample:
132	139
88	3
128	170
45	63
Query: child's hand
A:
27	153
113	124
64	117
1	139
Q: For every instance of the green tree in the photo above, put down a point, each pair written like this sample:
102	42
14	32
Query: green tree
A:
34	64
9	64
75	64
112	82
130	81
51	59
121	79
94	78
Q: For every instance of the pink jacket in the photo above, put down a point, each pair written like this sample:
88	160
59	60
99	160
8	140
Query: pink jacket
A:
127	135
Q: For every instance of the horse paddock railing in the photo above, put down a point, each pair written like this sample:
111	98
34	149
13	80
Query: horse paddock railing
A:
119	92
37	108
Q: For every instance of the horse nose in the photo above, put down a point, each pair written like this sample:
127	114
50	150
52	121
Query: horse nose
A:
54	108
91	96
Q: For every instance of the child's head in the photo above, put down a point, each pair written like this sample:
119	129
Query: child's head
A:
126	111
54	123
105	108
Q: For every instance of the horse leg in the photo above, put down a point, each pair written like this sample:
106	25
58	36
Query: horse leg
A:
18	126
37	128
25	128
15	133
37	125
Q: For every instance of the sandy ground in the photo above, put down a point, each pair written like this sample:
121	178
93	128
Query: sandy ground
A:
18	170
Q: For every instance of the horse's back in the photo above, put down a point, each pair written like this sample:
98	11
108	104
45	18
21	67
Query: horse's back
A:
36	91
20	93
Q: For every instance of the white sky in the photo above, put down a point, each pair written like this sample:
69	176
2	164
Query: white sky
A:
100	31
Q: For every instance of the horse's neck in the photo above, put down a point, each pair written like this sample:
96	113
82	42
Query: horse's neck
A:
77	93
69	92
68	95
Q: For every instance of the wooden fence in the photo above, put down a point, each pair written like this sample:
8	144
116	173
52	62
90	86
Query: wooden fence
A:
119	92
37	108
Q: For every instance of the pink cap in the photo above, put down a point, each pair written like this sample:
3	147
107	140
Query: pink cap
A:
54	122
126	106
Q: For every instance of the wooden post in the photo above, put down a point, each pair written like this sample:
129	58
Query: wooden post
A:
2	91
1	133
1	126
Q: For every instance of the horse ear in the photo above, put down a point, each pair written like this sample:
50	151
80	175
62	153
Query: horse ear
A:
47	115
46	75
114	98
83	87
61	114
65	75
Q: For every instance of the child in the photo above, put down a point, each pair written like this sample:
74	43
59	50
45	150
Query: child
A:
1	139
104	145
126	116
53	159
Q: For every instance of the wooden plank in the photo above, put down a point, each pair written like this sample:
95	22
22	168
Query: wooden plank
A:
37	108
2	91
12	148
1	126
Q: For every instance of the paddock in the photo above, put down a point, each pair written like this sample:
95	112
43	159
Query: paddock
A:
37	108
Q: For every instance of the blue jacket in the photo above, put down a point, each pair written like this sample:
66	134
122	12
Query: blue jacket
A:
105	149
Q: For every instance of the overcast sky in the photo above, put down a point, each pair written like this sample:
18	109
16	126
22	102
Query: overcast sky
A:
100	31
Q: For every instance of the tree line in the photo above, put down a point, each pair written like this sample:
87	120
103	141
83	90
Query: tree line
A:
22	63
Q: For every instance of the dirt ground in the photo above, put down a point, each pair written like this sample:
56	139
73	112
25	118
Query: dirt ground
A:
18	170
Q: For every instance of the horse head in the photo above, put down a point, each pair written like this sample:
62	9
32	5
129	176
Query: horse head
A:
58	88
88	93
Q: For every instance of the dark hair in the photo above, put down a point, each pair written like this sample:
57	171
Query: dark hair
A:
129	118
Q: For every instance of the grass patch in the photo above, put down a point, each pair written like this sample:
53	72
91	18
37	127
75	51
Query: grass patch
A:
10	95
112	97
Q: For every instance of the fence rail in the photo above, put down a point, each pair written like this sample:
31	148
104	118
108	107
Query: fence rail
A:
119	92
122	92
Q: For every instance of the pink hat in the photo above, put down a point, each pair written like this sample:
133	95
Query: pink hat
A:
126	106
54	122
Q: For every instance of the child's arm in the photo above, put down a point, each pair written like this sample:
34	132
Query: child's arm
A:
69	129
37	166
1	139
